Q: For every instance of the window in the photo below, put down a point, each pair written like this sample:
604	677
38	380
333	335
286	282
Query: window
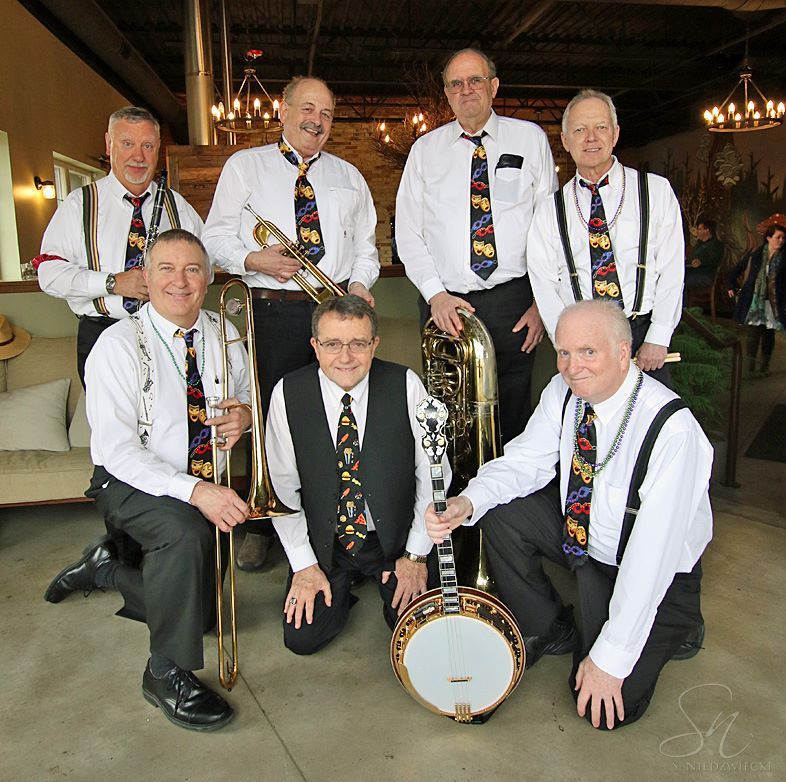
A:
9	245
70	175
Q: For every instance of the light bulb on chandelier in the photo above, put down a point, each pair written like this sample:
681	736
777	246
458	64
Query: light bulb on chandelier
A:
750	118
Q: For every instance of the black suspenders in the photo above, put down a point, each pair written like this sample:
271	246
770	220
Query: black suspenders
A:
640	471
644	228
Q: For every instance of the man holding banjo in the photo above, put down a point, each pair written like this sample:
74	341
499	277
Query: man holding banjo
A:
629	515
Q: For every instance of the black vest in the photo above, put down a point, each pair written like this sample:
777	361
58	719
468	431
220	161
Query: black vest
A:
387	458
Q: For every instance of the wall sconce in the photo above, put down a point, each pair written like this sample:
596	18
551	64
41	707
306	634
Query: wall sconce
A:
46	186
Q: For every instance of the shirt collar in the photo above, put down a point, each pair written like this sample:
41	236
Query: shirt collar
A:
615	175
165	327
491	128
119	189
297	154
607	409
336	392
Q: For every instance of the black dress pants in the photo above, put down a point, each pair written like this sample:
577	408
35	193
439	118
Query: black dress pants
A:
174	591
520	533
282	339
282	334
329	621
90	329
500	308
639	326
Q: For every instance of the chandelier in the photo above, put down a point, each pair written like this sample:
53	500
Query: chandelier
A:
253	110
739	117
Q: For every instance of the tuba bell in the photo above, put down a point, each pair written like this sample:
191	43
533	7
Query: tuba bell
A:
462	372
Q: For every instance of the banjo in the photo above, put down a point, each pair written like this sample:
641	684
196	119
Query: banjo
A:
456	650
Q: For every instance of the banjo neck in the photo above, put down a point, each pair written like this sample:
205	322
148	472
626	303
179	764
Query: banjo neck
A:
432	415
447	564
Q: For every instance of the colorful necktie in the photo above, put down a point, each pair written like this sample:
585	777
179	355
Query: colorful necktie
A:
200	463
482	248
605	282
579	499
309	230
351	525
135	248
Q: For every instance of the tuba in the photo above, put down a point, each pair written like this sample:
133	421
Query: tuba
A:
262	499
264	229
462	372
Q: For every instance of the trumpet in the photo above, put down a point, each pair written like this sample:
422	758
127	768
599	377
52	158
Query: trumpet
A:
262	499
264	229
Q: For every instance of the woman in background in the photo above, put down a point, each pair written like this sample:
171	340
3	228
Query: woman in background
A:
759	282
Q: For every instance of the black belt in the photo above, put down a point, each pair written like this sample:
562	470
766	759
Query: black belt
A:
99	319
280	294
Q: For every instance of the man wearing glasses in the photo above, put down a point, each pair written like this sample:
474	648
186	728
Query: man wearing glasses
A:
342	450
463	210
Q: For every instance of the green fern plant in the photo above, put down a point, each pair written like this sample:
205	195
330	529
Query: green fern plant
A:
702	377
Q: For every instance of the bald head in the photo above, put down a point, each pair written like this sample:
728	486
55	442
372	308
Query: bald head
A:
593	342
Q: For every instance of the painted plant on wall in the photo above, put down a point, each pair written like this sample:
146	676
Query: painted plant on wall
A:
716	182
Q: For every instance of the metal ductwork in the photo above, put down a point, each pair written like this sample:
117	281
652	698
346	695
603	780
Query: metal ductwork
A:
87	24
199	71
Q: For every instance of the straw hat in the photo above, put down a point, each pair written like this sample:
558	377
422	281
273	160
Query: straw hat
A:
13	340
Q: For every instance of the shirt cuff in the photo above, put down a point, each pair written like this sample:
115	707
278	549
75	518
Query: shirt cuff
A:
659	335
96	285
181	486
431	288
480	505
612	659
419	544
301	557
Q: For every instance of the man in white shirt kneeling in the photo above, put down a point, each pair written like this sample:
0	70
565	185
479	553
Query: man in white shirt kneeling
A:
629	515
149	376
342	450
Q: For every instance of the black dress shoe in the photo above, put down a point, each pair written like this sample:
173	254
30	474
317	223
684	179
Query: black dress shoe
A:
691	645
80	576
561	639
185	701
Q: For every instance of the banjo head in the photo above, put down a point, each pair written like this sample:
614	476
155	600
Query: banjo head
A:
461	665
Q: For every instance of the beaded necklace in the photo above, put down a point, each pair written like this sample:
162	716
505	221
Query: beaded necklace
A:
180	371
613	220
588	470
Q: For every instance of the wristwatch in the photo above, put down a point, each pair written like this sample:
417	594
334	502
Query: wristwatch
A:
421	560
111	280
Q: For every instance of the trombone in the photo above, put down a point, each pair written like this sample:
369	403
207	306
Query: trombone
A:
264	229
262	499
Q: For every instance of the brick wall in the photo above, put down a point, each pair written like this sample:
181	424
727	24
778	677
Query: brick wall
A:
194	170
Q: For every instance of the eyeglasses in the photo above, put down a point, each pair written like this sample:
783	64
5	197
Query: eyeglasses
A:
335	346
473	82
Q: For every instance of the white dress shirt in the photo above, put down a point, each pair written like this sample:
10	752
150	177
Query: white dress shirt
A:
293	529
674	523
433	204
113	376
548	270
65	236
265	180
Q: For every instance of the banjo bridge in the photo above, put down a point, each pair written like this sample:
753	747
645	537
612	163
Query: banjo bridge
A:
459	679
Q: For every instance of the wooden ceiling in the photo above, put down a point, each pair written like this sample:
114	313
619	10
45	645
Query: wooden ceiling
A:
660	60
